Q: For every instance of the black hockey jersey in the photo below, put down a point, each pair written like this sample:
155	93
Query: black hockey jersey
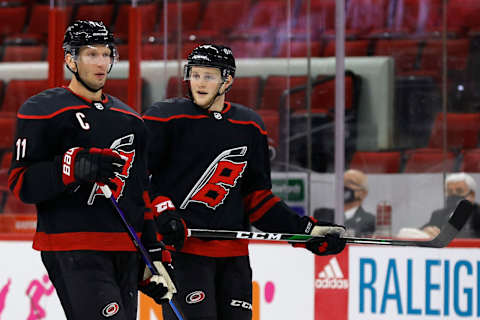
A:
80	218
215	168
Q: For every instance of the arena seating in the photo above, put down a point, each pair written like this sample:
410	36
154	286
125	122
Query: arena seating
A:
353	48
17	91
95	11
405	52
429	160
18	53
470	160
7	131
148	12
246	91
407	30
419	18
462	130
377	162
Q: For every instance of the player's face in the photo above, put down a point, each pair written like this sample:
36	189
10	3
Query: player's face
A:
204	83
93	65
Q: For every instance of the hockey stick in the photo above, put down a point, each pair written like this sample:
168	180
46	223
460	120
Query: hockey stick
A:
455	223
137	243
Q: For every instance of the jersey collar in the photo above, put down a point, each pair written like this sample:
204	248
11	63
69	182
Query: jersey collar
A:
104	100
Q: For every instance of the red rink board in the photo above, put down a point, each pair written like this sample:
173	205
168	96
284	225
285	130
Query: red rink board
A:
331	286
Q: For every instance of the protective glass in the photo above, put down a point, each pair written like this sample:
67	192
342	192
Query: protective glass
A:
200	74
97	55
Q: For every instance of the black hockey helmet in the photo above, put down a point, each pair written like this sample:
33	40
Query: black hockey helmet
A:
85	32
211	55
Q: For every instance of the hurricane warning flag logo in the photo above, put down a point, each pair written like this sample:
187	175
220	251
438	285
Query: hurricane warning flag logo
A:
215	183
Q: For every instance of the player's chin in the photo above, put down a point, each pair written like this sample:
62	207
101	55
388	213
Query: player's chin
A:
201	100
96	85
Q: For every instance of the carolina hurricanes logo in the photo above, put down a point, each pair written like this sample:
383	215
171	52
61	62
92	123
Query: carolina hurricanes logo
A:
110	309
195	297
119	179
215	183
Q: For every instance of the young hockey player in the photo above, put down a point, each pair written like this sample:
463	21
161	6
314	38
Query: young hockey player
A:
210	169
69	141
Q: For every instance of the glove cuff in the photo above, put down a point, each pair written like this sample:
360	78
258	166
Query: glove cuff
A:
68	165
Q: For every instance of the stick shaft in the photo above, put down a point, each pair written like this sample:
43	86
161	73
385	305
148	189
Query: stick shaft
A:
136	242
448	232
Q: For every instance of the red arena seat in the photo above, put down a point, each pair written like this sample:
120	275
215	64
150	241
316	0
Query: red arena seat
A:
376	162
429	160
18	91
462	131
245	91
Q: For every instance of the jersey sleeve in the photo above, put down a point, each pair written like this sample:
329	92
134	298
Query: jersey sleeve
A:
35	172
158	146
265	210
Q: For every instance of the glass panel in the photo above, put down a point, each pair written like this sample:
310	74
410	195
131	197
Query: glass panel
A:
411	94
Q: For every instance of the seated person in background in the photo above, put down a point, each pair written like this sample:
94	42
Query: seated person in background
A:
357	221
458	186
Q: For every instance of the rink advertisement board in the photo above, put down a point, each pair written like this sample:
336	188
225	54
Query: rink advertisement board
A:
26	292
282	286
386	283
361	283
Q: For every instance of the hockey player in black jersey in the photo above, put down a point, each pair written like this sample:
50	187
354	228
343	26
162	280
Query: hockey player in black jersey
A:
210	169
69	141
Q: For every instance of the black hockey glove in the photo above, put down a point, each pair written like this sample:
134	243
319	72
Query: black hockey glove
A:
331	243
91	165
169	223
160	288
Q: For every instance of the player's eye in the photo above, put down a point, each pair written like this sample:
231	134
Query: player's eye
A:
209	77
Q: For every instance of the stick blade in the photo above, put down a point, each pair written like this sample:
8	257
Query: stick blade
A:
462	213
455	223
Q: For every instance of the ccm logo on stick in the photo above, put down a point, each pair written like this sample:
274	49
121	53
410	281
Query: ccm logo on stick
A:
258	235
243	304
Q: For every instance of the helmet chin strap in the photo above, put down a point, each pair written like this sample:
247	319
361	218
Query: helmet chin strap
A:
77	76
218	94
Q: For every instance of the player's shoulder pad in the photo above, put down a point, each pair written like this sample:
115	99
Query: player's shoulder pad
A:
116	104
48	103
171	107
246	115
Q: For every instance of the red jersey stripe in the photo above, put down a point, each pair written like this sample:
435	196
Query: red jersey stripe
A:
105	97
248	123
49	116
179	116
16	175
148	205
263	209
227	107
101	241
254	198
216	248
127	112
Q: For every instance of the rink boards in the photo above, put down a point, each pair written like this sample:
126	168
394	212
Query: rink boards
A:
363	282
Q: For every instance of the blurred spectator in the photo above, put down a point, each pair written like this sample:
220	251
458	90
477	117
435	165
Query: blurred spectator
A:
357	221
457	186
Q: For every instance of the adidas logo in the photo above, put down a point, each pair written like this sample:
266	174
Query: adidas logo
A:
331	277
